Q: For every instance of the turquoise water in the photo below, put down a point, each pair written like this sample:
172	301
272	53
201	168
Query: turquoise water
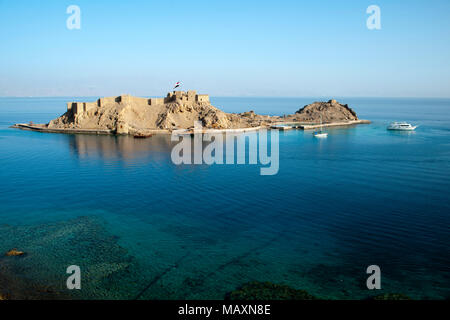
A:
141	227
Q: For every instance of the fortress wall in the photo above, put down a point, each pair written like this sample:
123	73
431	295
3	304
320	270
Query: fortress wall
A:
178	94
89	106
203	98
140	100
192	95
132	100
107	100
77	107
156	101
185	97
80	107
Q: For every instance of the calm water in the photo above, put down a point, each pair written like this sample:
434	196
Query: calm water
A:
141	227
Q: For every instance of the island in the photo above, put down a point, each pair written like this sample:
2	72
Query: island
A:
139	116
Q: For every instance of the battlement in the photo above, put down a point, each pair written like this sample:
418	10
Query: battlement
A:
79	107
189	97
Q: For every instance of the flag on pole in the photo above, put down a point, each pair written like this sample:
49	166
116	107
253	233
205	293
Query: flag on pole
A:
177	85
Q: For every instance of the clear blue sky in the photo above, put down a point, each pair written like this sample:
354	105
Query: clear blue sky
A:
225	48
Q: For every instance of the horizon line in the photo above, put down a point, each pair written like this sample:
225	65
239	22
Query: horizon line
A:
251	96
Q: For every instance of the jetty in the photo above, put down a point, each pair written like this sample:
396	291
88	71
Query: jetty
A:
332	124
45	128
282	127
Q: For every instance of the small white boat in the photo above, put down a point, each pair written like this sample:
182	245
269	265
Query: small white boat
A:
320	133
402	126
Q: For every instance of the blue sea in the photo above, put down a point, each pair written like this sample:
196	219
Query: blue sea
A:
141	227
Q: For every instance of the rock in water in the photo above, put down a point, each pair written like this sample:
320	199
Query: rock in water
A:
14	253
330	111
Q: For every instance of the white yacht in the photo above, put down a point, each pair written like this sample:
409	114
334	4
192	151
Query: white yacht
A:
402	126
320	133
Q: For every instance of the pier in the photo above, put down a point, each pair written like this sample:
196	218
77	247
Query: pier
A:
306	126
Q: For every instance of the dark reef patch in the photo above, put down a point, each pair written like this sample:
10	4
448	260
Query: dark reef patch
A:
107	270
391	296
268	291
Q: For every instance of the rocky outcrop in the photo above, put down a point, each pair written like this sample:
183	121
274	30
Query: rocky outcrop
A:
183	116
331	111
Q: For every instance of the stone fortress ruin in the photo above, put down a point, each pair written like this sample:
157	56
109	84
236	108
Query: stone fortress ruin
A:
183	98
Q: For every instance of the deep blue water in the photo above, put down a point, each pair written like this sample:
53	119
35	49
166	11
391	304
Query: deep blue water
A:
152	229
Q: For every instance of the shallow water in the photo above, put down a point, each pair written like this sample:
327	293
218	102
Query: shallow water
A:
154	230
